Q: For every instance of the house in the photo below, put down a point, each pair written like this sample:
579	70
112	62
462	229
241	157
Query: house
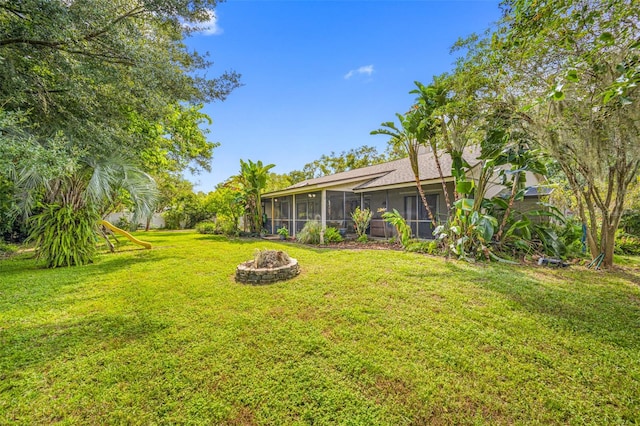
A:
381	187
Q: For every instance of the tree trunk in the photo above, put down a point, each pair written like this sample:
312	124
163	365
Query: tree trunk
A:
444	184
507	212
424	201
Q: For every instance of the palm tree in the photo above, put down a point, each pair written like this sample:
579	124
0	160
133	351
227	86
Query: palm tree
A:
430	98
65	230
409	138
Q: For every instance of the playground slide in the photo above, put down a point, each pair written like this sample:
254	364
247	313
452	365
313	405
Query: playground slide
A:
126	234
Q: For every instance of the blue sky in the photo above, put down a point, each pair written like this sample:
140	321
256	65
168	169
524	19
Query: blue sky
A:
319	76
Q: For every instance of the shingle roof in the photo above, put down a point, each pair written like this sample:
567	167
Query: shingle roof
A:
390	173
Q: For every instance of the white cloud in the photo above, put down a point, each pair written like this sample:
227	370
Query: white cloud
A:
211	26
364	70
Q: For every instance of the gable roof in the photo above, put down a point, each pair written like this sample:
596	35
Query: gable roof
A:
379	176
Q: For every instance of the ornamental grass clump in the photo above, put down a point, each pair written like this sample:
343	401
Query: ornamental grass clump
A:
310	234
270	259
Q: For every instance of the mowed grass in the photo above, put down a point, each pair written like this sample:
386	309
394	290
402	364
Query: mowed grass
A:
360	337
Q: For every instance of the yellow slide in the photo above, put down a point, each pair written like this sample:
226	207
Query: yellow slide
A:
126	234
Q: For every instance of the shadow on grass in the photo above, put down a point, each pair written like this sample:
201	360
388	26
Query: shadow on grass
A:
25	346
578	302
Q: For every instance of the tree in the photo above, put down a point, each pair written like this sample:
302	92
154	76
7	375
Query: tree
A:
93	81
253	181
429	98
92	71
575	64
65	230
409	137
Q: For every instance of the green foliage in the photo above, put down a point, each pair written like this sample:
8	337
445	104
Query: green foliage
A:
332	235
207	228
469	233
283	232
64	236
310	234
7	249
124	223
630	222
362	238
226	225
402	228
172	219
98	73
627	244
361	219
428	247
252	181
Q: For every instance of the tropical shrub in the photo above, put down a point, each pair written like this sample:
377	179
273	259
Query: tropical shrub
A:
64	236
332	235
361	219
206	227
402	228
469	233
310	234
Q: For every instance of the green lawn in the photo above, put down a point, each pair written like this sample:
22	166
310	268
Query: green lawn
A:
360	337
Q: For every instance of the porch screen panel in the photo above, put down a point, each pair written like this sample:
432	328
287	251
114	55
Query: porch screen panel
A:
307	208
282	213
425	227
416	215
351	202
377	202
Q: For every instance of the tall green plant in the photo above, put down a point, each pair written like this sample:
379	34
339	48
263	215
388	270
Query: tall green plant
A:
361	219
253	181
409	138
64	236
402	228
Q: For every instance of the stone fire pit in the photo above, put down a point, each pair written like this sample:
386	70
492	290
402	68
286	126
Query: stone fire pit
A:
269	266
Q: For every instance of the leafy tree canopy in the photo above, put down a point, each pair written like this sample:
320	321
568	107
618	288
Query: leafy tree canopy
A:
108	77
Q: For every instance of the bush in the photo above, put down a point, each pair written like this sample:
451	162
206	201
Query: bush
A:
310	234
627	244
429	247
362	238
630	222
207	227
332	235
126	224
226	225
64	236
172	219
